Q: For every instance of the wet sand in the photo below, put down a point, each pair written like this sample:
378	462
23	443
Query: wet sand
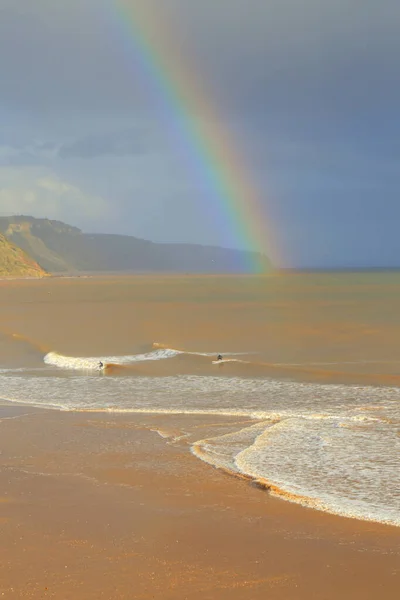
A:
100	506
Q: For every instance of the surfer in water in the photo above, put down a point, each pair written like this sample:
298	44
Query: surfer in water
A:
219	357
101	366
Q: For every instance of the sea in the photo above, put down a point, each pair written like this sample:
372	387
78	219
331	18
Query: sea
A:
310	370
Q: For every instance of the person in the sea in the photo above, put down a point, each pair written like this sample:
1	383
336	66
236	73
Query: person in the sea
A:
101	365
219	357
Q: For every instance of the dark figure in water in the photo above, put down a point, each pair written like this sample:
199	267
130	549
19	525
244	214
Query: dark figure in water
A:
219	357
101	365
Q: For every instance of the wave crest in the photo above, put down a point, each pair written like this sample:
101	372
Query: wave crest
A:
92	363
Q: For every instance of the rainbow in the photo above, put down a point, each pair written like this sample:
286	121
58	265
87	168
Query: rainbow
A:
210	154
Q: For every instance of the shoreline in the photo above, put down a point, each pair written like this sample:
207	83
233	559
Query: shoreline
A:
96	505
274	272
261	483
307	502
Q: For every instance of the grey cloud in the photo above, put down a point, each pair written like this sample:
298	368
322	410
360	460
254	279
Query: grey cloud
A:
120	143
20	159
27	153
40	192
56	57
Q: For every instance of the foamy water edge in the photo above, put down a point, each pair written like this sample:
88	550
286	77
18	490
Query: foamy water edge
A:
238	464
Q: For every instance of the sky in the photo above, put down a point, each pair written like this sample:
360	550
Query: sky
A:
307	92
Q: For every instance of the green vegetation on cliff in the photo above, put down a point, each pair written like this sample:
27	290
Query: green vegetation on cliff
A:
14	262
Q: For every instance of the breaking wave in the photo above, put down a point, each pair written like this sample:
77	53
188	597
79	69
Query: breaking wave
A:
111	363
79	363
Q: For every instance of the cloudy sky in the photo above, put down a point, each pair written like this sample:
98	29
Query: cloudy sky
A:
308	92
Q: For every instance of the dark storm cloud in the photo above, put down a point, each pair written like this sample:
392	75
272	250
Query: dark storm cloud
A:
311	55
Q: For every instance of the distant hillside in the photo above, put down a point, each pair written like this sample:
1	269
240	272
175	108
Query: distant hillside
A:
15	263
61	248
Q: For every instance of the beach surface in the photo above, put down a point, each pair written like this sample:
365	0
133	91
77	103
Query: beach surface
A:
102	493
97	506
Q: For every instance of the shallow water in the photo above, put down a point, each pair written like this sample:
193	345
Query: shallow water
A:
333	446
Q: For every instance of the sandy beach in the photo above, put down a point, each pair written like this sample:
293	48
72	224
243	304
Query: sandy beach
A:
113	503
100	506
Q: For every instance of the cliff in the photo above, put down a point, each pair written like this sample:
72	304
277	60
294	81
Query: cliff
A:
16	263
61	248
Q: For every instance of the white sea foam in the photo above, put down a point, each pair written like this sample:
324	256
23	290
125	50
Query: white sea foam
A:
91	363
335	446
315	465
350	472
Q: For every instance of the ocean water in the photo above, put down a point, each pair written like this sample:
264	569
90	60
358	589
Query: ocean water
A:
318	432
